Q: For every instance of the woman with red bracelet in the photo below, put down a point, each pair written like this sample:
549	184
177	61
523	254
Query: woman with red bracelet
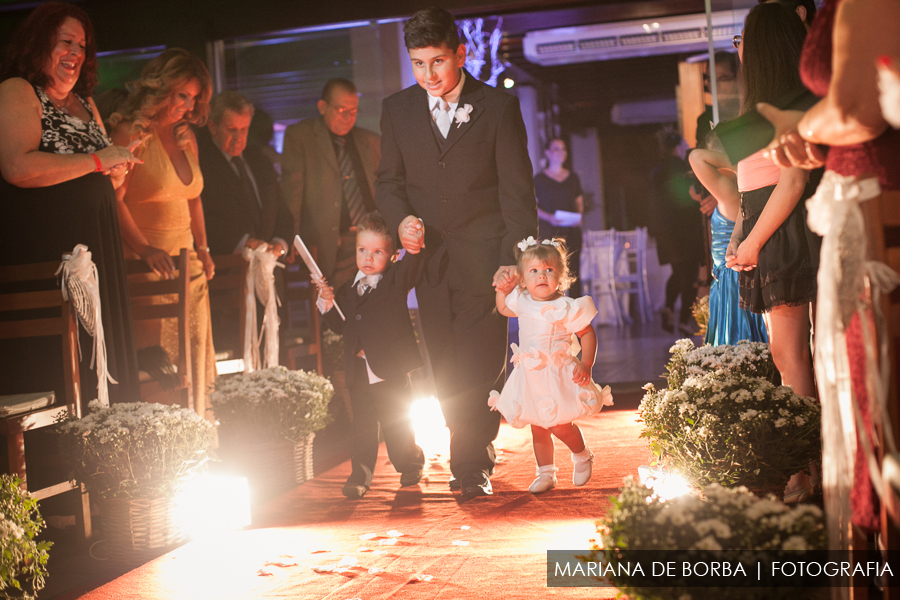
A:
159	204
58	173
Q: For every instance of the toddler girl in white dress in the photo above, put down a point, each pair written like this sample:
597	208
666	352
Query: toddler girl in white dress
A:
549	387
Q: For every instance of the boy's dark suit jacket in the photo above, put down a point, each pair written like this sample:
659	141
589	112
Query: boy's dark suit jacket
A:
379	324
229	216
474	190
475	194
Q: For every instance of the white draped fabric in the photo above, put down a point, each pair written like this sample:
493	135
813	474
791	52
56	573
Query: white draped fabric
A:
80	285
834	213
261	285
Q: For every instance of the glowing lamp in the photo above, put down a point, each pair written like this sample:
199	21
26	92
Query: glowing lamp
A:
213	504
429	426
666	485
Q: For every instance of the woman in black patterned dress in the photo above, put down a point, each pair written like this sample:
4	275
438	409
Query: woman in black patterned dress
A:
58	176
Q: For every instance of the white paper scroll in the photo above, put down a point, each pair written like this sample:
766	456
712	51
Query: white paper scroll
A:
314	269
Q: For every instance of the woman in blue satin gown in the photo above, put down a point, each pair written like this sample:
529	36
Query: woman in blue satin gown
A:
728	323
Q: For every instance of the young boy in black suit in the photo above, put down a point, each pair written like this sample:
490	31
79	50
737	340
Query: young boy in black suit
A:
380	350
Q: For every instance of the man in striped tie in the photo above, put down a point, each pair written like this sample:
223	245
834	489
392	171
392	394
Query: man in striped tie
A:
328	174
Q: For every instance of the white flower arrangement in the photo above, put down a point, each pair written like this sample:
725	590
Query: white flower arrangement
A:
747	358
136	449
723	519
732	429
272	404
23	561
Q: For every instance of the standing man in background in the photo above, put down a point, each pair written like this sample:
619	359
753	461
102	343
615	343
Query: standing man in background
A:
328	176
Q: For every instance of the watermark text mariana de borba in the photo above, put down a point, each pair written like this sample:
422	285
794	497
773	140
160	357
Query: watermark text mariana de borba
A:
680	568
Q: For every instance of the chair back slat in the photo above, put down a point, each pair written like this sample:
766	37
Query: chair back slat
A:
31	300
30	272
173	296
31	328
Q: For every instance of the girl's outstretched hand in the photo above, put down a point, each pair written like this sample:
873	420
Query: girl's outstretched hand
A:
505	280
581	375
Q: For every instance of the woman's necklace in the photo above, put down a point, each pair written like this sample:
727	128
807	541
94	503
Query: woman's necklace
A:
64	109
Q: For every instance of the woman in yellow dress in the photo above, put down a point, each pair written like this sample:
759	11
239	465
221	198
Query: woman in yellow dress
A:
159	206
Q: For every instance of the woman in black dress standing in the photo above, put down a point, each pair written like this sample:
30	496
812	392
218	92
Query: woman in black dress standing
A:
559	189
58	171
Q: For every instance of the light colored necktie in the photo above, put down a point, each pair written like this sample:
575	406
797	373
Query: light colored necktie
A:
442	117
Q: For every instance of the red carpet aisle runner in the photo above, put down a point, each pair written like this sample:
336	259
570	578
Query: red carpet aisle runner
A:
485	548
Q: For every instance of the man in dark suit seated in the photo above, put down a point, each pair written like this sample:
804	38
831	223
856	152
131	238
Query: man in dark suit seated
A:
454	156
242	202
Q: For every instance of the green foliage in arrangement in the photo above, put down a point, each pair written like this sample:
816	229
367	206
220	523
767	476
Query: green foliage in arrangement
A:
746	358
723	519
731	429
23	561
272	403
136	449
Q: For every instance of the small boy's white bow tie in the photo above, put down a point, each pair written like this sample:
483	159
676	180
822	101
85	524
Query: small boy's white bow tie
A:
366	282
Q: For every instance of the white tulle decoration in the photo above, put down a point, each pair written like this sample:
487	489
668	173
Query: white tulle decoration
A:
834	213
80	285
261	286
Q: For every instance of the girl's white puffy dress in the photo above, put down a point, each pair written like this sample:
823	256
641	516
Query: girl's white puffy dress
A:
540	390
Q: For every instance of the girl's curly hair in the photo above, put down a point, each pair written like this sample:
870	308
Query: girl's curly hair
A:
553	252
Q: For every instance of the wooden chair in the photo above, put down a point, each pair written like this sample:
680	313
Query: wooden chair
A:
882	218
20	417
227	305
171	300
301	333
598	266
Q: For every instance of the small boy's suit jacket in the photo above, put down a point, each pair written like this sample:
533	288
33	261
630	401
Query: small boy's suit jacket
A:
378	322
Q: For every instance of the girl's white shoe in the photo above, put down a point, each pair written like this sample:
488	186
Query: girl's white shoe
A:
583	462
546	479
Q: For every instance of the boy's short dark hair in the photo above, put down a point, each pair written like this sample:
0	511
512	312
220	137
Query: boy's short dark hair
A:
373	222
431	27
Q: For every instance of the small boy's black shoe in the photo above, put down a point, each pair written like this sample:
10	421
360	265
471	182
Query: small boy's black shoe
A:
454	483
354	492
410	477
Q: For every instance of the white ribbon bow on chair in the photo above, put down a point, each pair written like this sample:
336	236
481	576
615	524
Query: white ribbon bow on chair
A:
80	283
261	285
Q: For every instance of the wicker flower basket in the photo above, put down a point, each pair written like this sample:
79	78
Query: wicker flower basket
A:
139	530
270	467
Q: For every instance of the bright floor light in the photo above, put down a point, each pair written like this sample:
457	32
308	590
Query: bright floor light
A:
430	428
228	367
213	504
508	83
666	485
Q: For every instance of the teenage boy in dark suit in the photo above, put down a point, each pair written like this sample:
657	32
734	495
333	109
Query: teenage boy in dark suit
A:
454	166
380	350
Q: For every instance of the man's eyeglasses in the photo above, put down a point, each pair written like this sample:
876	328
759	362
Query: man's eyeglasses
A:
736	41
345	112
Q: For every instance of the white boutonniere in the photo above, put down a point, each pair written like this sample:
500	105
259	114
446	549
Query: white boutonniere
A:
462	114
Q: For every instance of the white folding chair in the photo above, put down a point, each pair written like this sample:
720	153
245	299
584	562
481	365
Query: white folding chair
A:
633	246
598	271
